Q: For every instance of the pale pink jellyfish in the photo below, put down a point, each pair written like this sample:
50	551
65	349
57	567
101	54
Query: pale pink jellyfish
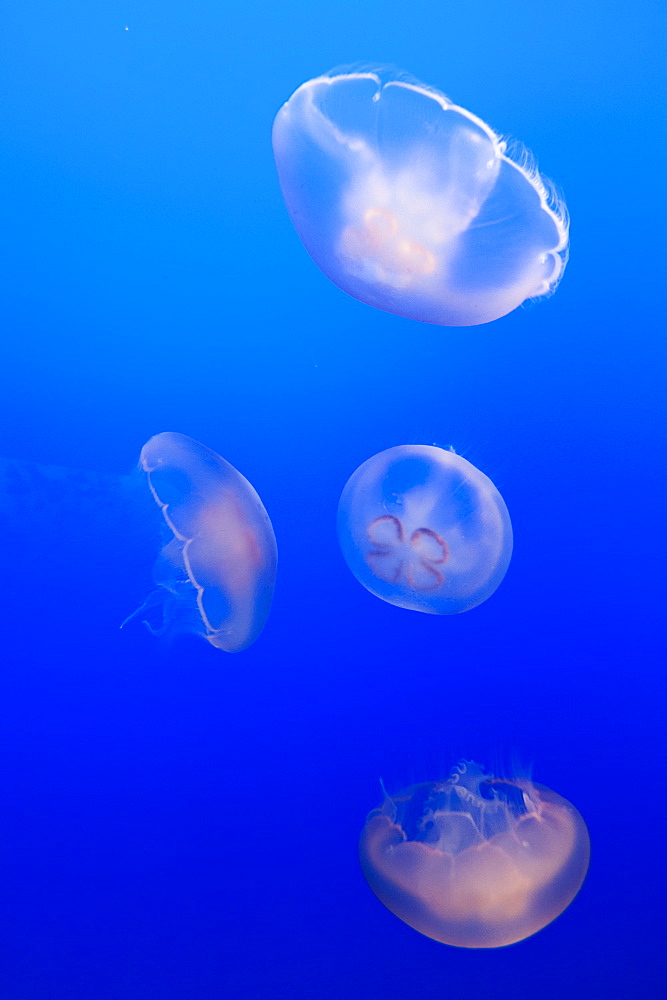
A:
422	528
474	861
411	203
219	569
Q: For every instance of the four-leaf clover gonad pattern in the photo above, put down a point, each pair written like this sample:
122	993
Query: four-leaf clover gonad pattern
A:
415	559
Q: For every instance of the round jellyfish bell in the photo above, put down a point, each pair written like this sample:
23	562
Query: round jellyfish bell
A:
220	565
422	528
474	861
412	204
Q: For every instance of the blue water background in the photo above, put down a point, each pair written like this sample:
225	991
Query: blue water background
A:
180	823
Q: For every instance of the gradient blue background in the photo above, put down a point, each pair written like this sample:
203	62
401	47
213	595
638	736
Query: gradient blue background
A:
179	823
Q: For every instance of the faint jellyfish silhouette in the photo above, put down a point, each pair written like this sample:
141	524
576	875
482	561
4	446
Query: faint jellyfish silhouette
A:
412	204
219	568
475	861
422	528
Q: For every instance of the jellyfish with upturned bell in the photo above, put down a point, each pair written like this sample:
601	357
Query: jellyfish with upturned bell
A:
414	205
475	861
217	570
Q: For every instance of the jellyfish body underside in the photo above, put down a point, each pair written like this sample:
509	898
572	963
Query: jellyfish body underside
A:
463	884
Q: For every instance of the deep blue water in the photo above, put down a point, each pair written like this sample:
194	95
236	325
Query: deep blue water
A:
178	822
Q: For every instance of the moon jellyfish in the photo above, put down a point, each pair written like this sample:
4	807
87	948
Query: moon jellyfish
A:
474	861
220	565
424	529
412	204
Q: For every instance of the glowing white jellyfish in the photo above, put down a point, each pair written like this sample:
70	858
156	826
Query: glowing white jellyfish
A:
475	861
424	529
412	204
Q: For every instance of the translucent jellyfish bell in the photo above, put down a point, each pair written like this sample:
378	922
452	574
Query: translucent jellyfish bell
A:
413	204
474	861
220	565
424	529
